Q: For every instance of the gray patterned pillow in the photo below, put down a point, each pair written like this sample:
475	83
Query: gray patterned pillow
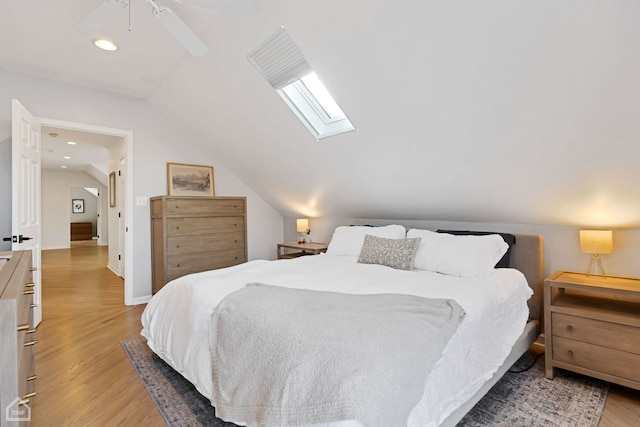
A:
394	253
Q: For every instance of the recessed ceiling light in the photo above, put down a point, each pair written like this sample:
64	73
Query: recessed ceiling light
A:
72	143
63	167
105	44
67	157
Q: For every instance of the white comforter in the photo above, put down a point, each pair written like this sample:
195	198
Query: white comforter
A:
177	319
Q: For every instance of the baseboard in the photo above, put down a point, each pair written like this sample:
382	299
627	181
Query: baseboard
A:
140	300
116	272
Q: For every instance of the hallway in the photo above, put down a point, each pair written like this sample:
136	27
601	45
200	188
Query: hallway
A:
84	377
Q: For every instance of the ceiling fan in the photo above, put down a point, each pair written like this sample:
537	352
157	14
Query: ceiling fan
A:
107	11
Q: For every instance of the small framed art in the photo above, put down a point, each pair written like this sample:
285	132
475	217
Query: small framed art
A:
77	206
189	180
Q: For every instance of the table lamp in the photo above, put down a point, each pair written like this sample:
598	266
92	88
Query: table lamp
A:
596	242
302	227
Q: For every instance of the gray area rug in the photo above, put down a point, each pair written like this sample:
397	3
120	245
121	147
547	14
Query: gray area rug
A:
526	399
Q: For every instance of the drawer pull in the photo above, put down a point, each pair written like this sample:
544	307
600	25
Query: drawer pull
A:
26	398
570	353
29	292
569	328
177	206
32	378
23	327
29	285
178	265
33	269
31	343
33	305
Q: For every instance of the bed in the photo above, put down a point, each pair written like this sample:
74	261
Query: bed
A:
501	311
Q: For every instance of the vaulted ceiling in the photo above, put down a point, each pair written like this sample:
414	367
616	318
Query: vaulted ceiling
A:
492	111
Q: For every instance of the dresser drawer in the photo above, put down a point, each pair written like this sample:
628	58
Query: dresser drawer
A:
200	226
180	265
189	244
24	308
601	359
205	206
605	334
26	364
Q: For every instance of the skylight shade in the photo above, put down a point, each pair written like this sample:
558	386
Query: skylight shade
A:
279	60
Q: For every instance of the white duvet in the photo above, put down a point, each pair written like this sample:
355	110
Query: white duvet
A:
176	321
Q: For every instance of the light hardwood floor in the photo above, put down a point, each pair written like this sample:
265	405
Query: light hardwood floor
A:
84	377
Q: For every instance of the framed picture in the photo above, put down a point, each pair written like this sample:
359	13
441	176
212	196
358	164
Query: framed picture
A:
189	180
112	189
77	206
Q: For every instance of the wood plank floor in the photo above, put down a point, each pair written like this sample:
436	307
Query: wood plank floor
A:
84	377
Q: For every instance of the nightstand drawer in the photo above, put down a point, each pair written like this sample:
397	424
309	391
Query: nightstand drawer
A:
605	334
601	359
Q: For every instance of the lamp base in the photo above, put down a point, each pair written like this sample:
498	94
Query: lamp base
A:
595	266
302	237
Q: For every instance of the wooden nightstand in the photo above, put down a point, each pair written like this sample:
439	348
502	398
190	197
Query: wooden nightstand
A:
300	248
592	326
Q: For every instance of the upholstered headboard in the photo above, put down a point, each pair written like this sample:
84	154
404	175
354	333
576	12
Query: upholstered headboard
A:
527	255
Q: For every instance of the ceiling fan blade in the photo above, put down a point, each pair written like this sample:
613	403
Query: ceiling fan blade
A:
237	6
101	16
181	31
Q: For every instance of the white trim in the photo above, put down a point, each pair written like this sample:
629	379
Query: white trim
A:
141	300
127	135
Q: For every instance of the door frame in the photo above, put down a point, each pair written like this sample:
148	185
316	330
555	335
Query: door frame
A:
127	135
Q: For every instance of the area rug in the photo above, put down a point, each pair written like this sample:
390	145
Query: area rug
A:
518	399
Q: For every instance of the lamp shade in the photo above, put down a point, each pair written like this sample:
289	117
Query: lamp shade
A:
302	225
596	241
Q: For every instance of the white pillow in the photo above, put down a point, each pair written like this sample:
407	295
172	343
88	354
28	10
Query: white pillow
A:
348	240
463	256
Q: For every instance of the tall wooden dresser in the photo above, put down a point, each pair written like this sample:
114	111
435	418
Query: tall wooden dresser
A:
17	369
193	234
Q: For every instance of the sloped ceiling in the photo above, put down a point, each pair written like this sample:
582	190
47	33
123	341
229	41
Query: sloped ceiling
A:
492	111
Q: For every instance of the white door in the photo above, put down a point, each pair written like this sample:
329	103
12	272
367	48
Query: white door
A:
25	193
121	211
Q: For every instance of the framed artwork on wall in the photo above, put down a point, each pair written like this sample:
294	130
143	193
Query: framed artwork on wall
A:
77	206
112	189
189	180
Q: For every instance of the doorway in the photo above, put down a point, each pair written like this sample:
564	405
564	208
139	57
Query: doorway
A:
123	245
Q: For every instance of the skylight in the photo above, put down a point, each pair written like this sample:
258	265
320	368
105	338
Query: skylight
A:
280	62
322	95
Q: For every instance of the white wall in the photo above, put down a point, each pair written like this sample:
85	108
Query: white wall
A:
561	245
156	141
56	205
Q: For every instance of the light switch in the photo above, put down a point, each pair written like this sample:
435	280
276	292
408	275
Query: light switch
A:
141	200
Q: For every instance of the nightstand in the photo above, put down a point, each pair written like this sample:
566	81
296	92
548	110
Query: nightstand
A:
300	249
592	326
